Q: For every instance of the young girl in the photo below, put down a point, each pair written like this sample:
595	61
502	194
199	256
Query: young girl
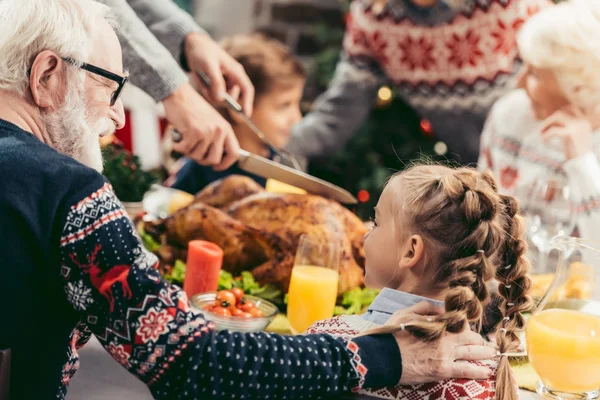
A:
278	78
441	235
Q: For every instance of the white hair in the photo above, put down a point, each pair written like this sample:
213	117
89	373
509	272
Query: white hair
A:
28	27
565	38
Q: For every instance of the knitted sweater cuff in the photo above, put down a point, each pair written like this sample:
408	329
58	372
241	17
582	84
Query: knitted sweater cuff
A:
378	360
162	80
175	41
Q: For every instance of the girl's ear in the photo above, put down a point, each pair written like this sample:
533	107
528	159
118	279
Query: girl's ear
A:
412	252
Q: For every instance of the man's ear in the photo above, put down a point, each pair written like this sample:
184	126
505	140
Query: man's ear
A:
46	79
412	252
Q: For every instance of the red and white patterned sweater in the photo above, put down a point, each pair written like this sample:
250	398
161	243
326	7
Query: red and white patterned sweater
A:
450	66
348	326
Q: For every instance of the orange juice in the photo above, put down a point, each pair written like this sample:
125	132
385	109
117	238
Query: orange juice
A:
564	349
312	295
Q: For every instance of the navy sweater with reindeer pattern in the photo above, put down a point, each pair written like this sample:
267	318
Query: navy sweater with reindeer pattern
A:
73	266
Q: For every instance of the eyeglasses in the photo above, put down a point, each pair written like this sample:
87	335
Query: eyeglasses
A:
121	80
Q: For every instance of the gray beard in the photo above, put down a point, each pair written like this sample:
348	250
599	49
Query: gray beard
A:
72	133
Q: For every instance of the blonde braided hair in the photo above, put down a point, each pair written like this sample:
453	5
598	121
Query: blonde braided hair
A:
474	233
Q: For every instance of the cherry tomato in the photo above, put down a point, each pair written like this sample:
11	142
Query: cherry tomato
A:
209	307
221	311
217	303
236	312
256	312
238	293
246	305
246	315
226	297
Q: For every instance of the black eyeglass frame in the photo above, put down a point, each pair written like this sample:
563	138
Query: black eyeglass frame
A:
120	80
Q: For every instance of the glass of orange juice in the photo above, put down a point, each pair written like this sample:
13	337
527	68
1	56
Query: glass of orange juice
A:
563	334
314	283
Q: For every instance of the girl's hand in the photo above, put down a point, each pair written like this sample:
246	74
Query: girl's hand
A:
572	128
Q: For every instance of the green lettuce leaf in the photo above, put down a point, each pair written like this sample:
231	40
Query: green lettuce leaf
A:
148	241
268	292
355	301
248	282
225	280
177	274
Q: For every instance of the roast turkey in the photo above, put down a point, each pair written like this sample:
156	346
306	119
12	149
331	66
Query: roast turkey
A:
260	231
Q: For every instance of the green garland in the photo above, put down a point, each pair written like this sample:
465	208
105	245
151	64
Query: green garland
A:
391	137
124	172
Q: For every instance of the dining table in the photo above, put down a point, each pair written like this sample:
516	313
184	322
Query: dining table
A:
527	395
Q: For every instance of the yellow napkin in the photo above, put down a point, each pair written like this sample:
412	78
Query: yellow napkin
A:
179	200
280	325
274	186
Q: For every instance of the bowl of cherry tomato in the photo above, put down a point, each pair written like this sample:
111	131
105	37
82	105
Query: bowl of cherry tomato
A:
234	310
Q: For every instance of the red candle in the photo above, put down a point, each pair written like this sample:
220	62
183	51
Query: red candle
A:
204	261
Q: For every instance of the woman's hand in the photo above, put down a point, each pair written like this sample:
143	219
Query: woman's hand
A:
572	128
207	137
225	73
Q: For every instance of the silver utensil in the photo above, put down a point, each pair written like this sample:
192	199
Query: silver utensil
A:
271	170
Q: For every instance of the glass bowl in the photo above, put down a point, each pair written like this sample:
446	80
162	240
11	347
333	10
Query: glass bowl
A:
235	324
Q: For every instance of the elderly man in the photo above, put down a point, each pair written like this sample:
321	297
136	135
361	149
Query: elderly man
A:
72	264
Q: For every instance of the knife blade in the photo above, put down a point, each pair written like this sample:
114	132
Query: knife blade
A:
271	170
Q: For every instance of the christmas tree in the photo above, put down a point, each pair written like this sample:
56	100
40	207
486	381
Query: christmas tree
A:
392	136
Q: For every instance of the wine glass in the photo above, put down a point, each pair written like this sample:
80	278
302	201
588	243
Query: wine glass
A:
314	283
546	205
563	334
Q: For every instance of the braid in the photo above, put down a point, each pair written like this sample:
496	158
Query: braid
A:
514	285
465	267
474	234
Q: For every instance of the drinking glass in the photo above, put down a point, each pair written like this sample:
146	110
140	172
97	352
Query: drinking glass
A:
546	205
563	334
314	283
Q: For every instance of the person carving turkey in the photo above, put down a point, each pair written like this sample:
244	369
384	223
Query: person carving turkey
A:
278	78
72	264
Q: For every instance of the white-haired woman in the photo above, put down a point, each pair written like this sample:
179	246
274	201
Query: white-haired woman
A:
548	128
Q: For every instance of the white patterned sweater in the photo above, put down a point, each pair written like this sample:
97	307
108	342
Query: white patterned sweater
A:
513	149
